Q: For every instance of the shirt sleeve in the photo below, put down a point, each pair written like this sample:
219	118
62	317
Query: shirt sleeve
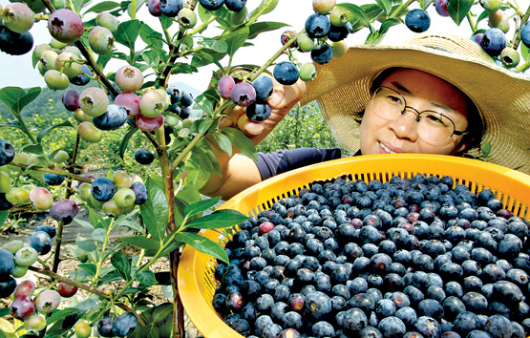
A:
282	161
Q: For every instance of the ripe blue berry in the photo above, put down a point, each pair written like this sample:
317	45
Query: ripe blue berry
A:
322	54
258	112
14	43
105	327
124	324
243	94
144	156
7	263
286	73
171	8
102	189
7	152
174	93
235	5
113	118
7	286
184	112
82	79
41	242
317	25
263	86
338	33
49	229
187	99
141	192
64	210
53	179
212	5
418	20
493	41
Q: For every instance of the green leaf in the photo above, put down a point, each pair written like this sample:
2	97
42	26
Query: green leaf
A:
236	39
204	14
269	6
205	57
216	45
5	311
110	277
99	235
203	245
155	210
16	98
96	219
128	33
386	5
485	14
157	320
85	244
125	141
61	314
182	68
241	142
79	4
215	163
356	13
65	323
147	278
102	7
12	124
4	214
150	245
201	206
425	3
165	21
224	142
525	52
152	38
33	149
385	26
219	219
458	9
43	132
89	268
122	265
259	27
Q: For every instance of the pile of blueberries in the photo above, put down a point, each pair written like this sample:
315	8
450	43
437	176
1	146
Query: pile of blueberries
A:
413	257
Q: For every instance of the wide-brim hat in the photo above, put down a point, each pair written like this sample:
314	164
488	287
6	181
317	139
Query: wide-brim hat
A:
342	91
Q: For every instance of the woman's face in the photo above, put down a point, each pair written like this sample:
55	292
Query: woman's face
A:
421	91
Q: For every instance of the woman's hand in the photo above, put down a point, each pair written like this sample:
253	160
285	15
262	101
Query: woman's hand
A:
281	101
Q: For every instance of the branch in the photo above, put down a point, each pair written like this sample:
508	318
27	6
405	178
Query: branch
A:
517	34
84	287
53	171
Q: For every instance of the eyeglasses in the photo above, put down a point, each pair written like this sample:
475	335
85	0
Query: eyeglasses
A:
432	127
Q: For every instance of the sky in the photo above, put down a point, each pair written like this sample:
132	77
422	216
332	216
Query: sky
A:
17	70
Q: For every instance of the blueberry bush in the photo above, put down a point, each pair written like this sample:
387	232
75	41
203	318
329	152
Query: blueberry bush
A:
155	121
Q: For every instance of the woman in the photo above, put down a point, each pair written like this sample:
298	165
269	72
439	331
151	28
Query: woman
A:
435	94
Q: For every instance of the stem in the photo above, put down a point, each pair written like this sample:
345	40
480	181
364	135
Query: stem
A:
58	241
102	257
471	23
25	128
186	150
133	9
398	11
53	171
517	34
85	287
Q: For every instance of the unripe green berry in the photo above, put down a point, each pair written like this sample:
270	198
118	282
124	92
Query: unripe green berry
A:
510	57
107	20
56	80
19	271
57	44
84	192
125	198
187	18
308	72
305	43
18	196
492	5
111	208
61	156
339	48
323	6
5	182
339	16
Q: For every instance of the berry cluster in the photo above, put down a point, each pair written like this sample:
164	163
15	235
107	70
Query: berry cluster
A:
407	258
15	22
119	327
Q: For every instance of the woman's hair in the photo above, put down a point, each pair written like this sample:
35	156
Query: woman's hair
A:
475	126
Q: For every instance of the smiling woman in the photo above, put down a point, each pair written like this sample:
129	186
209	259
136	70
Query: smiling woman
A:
431	95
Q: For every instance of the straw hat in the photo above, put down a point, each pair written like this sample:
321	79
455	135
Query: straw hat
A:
342	91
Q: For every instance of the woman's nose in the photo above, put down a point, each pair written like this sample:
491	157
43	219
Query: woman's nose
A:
404	127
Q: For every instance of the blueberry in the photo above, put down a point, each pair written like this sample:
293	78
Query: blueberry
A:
493	41
264	87
113	118
41	242
53	179
124	324
141	192
498	326
105	326
8	284
286	73
7	264
392	327
353	320
257	112
14	43
212	5
102	189
144	156
317	25
323	329
49	229
235	5
171	8
7	152
525	34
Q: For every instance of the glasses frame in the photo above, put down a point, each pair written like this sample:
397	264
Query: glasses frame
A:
418	113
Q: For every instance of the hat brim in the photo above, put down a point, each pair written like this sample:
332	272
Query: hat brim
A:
342	91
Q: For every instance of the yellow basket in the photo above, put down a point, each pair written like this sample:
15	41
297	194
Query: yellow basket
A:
196	281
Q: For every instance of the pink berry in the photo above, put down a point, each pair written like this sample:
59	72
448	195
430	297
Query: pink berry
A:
41	198
22	307
65	25
148	123
441	7
226	83
129	101
25	288
265	227
64	210
154	7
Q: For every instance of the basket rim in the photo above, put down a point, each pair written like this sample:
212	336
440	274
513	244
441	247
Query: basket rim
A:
196	306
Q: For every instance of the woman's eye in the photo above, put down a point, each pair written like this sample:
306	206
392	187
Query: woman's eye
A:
436	119
394	99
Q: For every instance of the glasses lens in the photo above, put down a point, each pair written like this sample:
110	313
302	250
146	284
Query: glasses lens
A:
434	128
388	103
